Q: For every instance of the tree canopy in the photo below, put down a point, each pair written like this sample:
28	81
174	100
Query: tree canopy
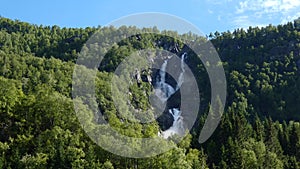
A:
39	127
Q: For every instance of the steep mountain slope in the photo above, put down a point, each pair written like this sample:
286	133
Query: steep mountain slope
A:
39	129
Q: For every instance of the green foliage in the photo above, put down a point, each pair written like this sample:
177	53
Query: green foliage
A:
39	127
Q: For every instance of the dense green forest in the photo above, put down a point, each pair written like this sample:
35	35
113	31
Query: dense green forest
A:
39	129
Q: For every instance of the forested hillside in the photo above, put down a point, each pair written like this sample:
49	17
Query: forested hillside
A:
39	129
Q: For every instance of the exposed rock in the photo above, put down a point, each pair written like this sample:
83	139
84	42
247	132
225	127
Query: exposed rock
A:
174	101
174	48
138	37
165	121
138	76
149	78
146	76
298	63
157	105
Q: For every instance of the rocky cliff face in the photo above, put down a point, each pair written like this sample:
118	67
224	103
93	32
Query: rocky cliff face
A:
166	89
165	85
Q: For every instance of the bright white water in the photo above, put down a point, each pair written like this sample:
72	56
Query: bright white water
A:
180	78
164	91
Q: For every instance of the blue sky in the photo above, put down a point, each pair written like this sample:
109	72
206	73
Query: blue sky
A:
207	15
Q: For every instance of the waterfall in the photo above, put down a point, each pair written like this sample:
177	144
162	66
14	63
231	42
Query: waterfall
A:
164	91
177	127
180	78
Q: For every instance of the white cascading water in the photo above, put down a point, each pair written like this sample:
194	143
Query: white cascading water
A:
164	91
180	78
